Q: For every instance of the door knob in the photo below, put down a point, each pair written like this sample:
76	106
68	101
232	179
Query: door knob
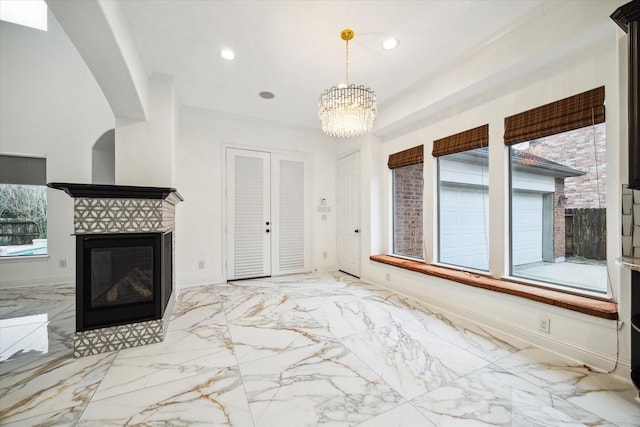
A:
356	230
267	230
267	222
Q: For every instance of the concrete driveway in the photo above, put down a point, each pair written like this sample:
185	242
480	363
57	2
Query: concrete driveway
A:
588	276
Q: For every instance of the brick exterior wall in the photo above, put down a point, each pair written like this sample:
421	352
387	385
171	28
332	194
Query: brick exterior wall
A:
576	150
559	245
408	207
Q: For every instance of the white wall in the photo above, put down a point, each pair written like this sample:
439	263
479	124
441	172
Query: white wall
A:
589	339
101	34
50	106
145	149
199	178
103	163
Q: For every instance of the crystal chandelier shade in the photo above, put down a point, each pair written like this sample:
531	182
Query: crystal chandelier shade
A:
347	110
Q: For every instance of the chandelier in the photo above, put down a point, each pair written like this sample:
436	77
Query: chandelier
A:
347	110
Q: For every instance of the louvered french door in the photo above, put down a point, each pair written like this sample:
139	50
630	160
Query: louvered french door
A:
268	231
248	214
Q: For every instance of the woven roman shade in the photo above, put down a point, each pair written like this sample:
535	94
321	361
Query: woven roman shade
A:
412	156
575	112
463	141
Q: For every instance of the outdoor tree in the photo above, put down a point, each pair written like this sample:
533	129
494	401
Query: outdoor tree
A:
24	203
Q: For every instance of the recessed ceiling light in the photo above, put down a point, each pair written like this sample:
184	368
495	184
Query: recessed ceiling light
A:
390	44
266	95
228	54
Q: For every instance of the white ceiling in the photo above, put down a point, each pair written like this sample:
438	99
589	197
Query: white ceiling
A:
293	48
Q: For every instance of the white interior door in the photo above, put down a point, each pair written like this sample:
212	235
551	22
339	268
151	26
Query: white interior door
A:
248	214
291	227
349	214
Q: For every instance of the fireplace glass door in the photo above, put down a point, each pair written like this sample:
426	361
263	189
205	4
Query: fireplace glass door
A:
119	279
121	275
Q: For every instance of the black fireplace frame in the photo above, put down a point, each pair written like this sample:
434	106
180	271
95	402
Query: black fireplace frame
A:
88	317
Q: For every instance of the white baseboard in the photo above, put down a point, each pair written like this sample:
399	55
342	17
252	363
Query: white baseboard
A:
190	283
49	280
324	268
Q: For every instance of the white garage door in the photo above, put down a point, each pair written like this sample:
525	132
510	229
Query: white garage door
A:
463	226
527	228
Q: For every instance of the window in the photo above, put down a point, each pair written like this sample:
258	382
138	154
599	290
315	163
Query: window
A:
408	184
29	13
23	206
557	190
463	198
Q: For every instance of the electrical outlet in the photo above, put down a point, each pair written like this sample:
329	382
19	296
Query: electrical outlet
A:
201	264
544	324
62	263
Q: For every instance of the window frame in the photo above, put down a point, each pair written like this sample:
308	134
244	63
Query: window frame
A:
485	193
26	170
409	157
461	142
572	113
393	216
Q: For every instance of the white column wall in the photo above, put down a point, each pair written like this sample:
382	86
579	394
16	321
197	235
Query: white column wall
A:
145	150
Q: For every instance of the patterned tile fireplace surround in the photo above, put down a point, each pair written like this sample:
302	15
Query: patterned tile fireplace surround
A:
110	220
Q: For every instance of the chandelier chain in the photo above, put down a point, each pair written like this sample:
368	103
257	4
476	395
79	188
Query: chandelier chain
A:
347	62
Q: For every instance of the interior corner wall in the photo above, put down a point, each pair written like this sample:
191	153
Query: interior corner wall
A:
145	149
586	338
50	106
103	162
200	167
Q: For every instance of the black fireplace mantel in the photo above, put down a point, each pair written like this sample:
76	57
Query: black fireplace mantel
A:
103	191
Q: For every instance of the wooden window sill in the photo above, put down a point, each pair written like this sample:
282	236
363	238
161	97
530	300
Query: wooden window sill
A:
581	304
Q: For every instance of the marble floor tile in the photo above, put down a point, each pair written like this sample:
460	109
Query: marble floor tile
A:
463	334
493	396
284	282
323	384
197	306
254	342
305	349
42	343
50	384
39	339
412	362
349	314
62	417
405	415
611	397
36	321
256	306
23	335
183	353
27	301
215	398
